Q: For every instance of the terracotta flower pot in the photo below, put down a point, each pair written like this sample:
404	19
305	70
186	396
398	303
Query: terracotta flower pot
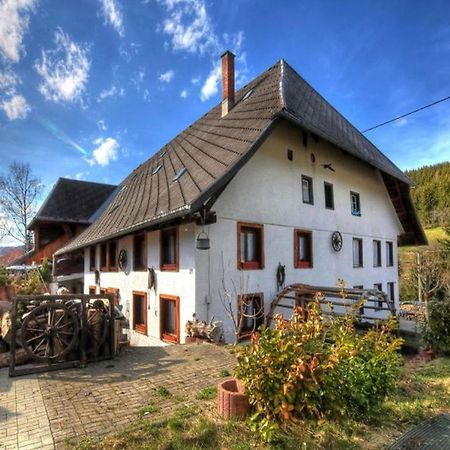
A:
232	402
427	354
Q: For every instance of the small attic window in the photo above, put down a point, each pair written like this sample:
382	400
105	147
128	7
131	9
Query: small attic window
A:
162	154
113	208
179	174
158	168
247	94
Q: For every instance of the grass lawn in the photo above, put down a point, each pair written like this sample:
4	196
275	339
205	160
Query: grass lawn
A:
433	235
423	392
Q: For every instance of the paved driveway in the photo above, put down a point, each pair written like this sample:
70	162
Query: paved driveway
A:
44	411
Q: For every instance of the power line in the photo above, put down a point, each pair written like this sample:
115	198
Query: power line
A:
407	114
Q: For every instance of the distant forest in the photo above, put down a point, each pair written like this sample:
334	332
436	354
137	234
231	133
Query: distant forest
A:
431	193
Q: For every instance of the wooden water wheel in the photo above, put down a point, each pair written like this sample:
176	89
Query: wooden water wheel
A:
49	332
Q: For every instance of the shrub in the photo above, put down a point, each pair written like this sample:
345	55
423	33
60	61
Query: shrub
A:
5	278
436	331
314	367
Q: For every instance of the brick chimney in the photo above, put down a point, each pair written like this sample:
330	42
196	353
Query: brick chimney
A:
227	82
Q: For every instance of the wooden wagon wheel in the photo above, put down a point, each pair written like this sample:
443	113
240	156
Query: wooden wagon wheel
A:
49	332
97	315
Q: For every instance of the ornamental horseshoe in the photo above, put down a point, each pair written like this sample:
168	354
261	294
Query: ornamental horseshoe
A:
337	241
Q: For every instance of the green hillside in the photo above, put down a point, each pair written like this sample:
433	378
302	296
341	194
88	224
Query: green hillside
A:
431	194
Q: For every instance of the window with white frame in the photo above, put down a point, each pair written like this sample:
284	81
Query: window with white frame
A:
389	254
376	253
307	190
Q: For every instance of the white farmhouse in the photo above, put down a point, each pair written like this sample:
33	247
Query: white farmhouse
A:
268	176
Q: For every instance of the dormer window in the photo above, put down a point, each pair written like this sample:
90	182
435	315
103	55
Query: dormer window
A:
355	204
157	169
179	174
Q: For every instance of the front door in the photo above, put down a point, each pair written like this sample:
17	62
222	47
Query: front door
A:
170	318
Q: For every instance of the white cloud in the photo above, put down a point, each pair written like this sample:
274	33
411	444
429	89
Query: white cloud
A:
146	95
184	93
211	85
195	80
105	152
16	107
64	70
400	122
111	92
8	81
189	26
102	125
14	19
113	15
167	77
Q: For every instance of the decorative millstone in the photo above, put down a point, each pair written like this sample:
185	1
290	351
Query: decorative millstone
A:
434	434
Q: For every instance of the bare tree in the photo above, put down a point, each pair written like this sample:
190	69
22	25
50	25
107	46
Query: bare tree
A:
19	191
432	273
240	307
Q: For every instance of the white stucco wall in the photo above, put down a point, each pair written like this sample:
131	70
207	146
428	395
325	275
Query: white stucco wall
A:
181	283
267	190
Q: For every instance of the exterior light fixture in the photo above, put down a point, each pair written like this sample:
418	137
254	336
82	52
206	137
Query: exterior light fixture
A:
202	238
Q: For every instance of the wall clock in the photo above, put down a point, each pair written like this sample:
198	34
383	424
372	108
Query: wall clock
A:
337	241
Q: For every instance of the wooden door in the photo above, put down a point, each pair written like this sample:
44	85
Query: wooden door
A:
169	312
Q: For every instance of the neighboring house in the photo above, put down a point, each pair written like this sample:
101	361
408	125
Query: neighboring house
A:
69	209
268	175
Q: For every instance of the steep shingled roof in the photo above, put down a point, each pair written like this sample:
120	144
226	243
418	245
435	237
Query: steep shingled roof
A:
214	148
72	201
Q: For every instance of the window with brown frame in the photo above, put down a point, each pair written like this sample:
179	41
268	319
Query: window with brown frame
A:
139	253
140	312
169	311
103	257
169	249
112	255
92	253
250	313
303	253
92	290
250	246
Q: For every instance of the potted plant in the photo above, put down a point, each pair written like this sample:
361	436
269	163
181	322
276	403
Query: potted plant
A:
5	284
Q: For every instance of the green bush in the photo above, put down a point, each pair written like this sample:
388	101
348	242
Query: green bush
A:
5	278
314	367
436	331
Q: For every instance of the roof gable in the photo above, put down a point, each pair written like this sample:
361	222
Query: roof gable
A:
72	201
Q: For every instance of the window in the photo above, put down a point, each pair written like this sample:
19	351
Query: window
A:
355	204
169	249
179	174
112	255
329	195
357	252
92	253
361	308
140	312
376	253
250	251
379	287
103	257
139	253
169	310
389	254
250	313
302	249
307	190
391	291
92	290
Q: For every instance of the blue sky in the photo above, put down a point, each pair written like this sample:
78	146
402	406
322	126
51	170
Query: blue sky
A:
91	88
